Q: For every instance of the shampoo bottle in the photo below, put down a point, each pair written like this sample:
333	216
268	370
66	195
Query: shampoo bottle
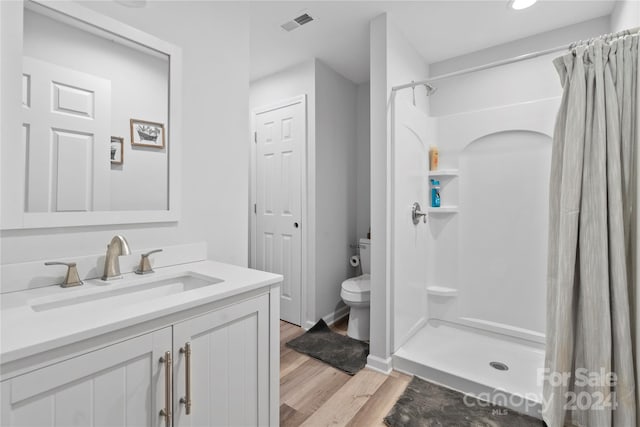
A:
433	158
435	193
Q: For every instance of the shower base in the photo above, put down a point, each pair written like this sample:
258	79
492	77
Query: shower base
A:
461	358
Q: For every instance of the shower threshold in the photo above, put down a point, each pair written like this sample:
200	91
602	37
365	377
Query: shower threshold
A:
492	367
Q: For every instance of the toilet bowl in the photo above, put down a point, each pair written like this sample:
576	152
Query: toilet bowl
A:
356	293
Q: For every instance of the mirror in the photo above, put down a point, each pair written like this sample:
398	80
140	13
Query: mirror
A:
96	105
95	117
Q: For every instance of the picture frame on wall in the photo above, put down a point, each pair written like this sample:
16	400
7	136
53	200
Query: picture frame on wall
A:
147	134
117	150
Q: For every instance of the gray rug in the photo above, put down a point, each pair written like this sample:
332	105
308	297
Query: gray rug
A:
337	350
424	404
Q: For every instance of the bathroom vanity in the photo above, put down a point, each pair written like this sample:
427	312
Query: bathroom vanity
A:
192	344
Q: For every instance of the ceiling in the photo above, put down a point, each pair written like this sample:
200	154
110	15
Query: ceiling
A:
439	30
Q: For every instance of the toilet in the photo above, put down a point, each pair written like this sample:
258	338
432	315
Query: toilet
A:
356	293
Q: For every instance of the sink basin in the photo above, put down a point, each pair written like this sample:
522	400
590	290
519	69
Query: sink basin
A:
123	293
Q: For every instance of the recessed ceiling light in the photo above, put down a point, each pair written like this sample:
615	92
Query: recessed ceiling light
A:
521	4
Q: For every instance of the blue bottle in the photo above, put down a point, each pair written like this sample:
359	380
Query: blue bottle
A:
435	193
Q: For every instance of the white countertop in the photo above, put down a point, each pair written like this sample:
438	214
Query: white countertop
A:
25	332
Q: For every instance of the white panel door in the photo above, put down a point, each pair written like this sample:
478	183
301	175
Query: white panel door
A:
229	366
119	385
280	139
67	122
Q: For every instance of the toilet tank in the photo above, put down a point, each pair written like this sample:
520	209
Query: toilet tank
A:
365	255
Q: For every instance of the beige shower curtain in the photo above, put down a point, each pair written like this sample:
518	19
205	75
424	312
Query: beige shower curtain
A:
593	238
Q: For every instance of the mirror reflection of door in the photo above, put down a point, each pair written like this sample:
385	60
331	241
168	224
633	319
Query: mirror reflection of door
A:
67	117
96	82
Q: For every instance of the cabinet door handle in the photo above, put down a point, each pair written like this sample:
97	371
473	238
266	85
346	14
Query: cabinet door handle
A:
186	400
168	376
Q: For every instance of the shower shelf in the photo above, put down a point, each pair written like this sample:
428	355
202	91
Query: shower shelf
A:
442	291
444	172
444	210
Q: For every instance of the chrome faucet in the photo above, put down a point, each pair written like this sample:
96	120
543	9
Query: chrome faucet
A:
116	248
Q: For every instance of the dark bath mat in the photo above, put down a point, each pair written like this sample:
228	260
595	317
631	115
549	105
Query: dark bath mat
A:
424	404
337	350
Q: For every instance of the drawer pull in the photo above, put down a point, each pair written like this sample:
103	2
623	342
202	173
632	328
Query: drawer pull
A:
186	400
168	375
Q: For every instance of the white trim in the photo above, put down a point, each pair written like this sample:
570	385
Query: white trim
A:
336	315
304	197
307	324
34	274
13	156
384	366
330	319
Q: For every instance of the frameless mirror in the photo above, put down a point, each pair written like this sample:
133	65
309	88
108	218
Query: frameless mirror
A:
95	110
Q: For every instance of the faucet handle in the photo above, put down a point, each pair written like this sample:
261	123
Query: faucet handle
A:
145	264
72	278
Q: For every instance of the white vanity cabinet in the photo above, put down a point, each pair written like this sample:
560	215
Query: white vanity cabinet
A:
229	366
119	385
224	360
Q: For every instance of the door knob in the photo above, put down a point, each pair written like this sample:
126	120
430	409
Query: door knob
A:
296	225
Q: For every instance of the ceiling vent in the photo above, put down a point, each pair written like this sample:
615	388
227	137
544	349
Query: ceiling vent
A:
297	22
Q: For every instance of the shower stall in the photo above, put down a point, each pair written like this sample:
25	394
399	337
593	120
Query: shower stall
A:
468	284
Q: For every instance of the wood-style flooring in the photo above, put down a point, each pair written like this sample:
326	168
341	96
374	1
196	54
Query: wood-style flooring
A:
313	393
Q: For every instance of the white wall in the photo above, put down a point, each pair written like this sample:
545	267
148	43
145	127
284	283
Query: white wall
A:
508	84
394	61
139	89
379	350
288	83
626	15
335	186
330	173
363	154
214	140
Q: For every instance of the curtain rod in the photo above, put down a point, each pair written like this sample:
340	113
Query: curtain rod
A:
507	61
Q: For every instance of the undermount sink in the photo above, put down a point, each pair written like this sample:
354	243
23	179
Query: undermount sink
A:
120	293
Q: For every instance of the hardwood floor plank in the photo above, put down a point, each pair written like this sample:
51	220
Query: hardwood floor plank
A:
348	400
378	406
289	332
314	393
290	361
289	417
295	380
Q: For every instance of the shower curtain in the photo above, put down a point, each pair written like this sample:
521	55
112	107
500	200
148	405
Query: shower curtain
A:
593	238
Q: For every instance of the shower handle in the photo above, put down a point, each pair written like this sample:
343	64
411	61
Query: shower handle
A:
416	214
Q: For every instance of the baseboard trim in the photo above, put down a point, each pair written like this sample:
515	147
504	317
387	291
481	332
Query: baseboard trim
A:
378	364
330	318
340	313
308	325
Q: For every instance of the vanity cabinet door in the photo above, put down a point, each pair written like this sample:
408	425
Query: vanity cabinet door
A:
229	366
119	385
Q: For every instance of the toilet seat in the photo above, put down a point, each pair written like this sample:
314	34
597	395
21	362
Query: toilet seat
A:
357	289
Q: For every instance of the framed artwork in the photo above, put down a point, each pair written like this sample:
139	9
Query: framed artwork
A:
147	134
117	150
